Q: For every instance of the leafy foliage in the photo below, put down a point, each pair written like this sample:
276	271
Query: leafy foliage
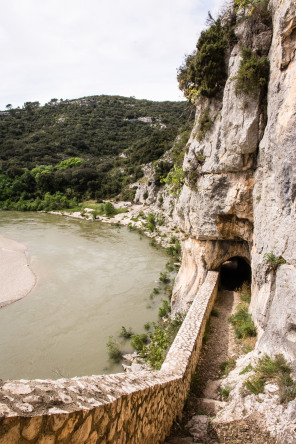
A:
161	337
175	180
253	73
204	124
204	71
90	148
113	349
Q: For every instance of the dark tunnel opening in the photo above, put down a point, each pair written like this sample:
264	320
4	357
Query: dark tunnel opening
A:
234	272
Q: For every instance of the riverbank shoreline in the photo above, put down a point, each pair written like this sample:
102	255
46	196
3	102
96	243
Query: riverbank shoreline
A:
16	276
131	219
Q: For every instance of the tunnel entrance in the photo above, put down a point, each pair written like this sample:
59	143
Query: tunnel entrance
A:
234	272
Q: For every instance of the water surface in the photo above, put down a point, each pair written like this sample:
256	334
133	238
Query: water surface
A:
92	279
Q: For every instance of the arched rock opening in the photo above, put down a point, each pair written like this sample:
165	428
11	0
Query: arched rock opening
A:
234	272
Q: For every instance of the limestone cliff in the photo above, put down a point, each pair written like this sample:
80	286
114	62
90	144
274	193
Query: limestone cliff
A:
239	192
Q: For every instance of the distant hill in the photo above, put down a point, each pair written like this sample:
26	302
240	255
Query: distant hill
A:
111	135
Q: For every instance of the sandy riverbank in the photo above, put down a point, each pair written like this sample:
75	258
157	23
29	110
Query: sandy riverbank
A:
16	277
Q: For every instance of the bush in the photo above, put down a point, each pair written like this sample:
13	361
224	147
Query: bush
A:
204	71
114	352
175	180
126	333
273	369
165	309
139	341
164	277
204	124
109	209
253	73
161	338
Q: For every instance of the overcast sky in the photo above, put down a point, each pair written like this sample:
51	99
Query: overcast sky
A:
74	48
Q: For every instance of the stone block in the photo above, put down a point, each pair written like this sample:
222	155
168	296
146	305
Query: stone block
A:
31	430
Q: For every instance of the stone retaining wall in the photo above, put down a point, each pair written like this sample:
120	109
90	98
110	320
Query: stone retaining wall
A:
120	408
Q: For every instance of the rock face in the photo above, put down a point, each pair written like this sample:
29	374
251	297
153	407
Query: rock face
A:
273	302
240	189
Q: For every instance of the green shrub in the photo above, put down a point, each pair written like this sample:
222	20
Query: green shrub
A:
175	180
204	124
109	209
164	278
276	370
253	73
274	261
114	352
165	309
139	341
204	71
151	222
126	333
161	337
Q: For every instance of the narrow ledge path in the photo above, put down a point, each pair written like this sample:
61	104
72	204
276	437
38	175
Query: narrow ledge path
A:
204	401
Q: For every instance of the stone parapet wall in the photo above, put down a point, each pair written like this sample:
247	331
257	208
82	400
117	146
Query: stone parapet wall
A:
120	408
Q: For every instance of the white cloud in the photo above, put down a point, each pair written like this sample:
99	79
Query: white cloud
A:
72	48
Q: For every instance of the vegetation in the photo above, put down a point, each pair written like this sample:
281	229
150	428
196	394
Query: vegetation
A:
161	337
274	370
242	322
126	333
174	249
175	180
204	71
274	261
253	73
243	325
113	349
204	124
227	366
165	309
89	148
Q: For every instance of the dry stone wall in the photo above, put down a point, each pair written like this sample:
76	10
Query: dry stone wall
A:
119	408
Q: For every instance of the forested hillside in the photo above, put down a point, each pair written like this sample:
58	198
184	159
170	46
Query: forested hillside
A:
86	148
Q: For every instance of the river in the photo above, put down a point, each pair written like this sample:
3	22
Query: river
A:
93	278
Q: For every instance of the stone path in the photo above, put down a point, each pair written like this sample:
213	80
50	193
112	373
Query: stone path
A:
205	399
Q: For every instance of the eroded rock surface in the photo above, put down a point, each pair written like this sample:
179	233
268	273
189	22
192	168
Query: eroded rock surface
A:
239	196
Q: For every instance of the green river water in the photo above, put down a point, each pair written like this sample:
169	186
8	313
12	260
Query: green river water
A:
92	279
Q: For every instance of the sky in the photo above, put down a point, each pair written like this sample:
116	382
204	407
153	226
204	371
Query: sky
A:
74	48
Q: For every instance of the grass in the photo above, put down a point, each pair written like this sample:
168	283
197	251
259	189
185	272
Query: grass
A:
242	322
227	366
247	369
274	261
224	392
274	370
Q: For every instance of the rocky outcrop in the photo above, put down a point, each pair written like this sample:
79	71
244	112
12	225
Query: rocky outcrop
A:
273	301
240	189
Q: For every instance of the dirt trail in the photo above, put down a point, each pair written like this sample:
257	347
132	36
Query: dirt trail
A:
220	347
